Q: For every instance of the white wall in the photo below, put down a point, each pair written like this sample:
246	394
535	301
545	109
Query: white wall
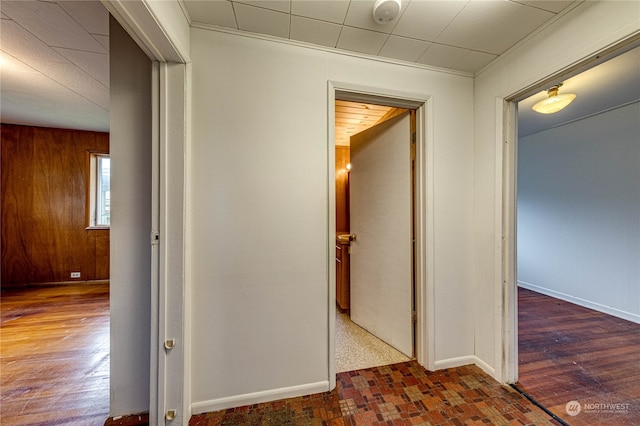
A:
259	212
586	29
579	212
130	148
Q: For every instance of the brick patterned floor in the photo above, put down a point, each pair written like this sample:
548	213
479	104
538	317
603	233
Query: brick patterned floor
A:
398	394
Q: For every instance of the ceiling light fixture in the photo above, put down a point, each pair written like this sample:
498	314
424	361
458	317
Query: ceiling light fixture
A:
385	11
554	102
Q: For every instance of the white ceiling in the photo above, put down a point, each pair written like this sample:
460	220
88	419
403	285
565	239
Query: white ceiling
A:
606	86
55	64
54	59
461	35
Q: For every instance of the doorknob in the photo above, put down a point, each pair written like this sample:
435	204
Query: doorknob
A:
344	238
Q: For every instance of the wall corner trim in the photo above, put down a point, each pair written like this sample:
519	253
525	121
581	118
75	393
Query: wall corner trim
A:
465	360
154	27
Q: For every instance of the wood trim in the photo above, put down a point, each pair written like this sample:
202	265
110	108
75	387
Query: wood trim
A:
63	283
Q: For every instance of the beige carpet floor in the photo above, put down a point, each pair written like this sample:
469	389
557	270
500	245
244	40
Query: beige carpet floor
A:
356	348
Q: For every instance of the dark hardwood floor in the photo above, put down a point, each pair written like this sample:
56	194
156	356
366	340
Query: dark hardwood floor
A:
54	355
570	353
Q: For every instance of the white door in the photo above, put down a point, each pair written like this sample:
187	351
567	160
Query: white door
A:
380	216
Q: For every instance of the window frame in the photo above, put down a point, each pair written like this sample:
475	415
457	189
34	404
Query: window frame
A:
91	192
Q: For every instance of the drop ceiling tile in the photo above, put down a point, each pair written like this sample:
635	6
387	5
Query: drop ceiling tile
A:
218	13
278	5
262	21
91	15
550	5
425	20
313	31
491	26
440	55
362	41
406	49
31	98
20	43
360	15
94	64
331	11
51	24
474	61
103	40
76	80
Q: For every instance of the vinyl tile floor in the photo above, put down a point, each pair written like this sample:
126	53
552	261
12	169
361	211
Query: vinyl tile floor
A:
356	348
397	394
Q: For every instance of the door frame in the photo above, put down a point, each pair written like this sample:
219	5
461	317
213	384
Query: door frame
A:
169	343
506	186
424	224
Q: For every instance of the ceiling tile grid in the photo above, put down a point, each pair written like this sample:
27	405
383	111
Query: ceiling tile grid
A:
30	98
313	31
54	54
60	51
463	35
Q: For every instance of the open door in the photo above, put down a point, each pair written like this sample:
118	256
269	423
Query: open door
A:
381	220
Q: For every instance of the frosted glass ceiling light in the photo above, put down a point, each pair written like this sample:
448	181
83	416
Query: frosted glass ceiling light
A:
554	102
385	11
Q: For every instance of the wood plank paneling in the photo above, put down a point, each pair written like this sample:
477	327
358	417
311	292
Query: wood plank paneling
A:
17	197
44	235
342	189
102	252
354	117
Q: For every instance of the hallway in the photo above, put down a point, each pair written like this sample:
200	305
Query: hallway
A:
398	394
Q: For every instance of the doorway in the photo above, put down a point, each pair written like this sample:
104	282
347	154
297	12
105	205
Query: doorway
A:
558	302
374	198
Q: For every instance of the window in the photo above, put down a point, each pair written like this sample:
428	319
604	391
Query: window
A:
99	190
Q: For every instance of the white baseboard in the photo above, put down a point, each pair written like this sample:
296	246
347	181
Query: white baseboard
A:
465	360
257	397
485	367
311	388
582	302
455	362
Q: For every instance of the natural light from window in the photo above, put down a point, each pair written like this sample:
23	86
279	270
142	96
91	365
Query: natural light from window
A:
100	197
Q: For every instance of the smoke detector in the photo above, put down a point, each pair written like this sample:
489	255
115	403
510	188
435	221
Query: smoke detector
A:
385	11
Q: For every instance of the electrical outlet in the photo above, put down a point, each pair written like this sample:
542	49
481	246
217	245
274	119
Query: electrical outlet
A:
75	275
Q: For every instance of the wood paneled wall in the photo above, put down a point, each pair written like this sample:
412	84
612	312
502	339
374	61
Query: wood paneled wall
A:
44	235
342	189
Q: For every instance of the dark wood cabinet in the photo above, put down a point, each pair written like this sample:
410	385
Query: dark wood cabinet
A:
342	275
